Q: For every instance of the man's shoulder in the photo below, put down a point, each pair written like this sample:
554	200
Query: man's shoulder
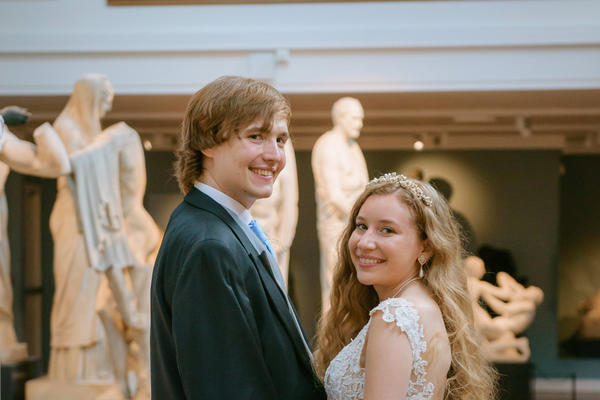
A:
197	232
188	220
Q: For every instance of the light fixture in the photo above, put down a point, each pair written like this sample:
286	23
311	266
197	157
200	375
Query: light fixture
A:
418	145
147	145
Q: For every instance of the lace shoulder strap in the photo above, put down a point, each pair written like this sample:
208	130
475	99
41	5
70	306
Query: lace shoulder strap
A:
404	315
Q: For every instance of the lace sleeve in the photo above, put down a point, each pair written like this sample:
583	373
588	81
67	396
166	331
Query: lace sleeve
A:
405	316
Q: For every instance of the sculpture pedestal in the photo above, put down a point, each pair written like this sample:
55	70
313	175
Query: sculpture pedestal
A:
14	375
46	389
514	380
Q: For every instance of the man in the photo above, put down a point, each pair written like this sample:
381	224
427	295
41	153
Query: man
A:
222	324
340	173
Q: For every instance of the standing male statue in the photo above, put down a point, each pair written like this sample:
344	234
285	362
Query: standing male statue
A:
340	173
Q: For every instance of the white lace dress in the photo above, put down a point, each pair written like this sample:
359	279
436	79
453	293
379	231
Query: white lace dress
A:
345	379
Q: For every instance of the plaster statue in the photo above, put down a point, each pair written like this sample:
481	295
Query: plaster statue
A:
47	158
144	237
278	214
96	225
590	318
340	173
515	306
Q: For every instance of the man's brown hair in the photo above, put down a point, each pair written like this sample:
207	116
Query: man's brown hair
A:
223	107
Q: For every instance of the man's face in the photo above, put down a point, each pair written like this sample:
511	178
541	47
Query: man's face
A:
351	120
246	166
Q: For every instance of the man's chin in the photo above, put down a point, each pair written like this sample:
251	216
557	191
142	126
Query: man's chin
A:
264	195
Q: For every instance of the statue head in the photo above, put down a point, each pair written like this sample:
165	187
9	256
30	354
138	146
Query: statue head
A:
347	115
91	98
474	267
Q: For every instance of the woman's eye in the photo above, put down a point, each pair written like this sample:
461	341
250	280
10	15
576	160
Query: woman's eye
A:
361	227
387	230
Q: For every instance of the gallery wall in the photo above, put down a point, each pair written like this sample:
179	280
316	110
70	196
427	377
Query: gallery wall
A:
311	47
579	250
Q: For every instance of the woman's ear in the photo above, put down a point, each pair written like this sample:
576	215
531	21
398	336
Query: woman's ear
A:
427	249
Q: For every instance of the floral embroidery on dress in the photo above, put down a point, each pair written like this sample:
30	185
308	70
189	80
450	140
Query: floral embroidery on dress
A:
345	379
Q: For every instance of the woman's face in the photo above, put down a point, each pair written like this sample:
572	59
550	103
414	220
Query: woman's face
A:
385	244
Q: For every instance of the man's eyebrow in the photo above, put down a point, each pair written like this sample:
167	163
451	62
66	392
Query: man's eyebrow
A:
255	129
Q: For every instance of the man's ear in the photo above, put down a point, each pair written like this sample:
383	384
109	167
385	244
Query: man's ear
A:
208	152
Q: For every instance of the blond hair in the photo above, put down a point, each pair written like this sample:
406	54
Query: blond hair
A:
470	376
219	109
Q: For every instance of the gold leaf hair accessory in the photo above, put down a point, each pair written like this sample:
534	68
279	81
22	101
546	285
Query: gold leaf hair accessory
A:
403	181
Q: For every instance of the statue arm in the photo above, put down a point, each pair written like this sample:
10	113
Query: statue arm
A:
491	291
47	157
329	178
289	201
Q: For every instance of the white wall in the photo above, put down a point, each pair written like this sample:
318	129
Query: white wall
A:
45	45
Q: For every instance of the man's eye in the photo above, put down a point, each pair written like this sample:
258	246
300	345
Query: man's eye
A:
254	137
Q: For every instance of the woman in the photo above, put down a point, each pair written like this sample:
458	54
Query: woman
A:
400	258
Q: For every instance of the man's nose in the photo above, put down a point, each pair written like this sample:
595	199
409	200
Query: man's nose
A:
271	150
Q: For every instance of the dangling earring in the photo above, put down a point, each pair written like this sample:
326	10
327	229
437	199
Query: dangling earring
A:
422	260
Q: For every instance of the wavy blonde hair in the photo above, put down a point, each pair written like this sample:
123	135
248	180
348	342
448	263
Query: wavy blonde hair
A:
218	110
470	376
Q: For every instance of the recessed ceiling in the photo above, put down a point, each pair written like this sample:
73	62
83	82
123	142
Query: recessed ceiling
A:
568	120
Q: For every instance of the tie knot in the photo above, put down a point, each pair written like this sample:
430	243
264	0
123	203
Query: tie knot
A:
255	227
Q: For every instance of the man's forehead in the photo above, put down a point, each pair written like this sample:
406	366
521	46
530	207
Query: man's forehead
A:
260	125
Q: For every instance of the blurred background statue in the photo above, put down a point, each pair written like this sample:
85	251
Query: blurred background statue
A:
278	214
104	246
514	305
589	309
46	158
467	237
340	173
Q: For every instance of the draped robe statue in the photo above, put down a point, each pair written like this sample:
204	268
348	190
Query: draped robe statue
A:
340	174
104	245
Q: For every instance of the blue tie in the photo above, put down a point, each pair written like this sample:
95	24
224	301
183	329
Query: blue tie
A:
261	235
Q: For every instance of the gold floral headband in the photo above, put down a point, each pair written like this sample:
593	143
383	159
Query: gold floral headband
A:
403	181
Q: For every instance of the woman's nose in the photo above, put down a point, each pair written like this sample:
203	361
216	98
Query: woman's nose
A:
366	241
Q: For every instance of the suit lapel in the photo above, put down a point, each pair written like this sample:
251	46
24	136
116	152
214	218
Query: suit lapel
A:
261	262
280	304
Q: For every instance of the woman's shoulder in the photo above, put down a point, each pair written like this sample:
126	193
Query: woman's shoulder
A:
413	309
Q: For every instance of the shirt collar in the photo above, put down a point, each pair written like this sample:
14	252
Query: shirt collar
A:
231	205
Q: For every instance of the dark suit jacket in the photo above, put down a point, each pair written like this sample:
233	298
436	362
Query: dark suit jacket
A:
221	328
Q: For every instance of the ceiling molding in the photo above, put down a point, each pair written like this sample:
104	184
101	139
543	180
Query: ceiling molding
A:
566	120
